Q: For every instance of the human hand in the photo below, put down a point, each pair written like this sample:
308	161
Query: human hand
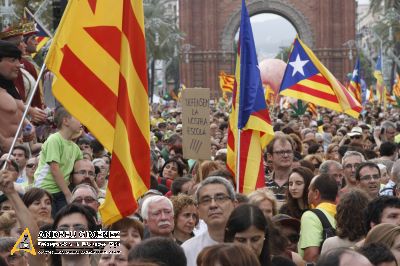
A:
377	132
7	179
37	115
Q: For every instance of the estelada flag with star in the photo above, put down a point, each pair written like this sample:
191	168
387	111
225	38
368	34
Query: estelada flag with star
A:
98	56
355	82
306	78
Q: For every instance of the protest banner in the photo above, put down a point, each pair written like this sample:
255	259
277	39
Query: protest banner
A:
195	122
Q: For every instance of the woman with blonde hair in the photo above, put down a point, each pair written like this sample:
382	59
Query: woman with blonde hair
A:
332	152
265	200
387	234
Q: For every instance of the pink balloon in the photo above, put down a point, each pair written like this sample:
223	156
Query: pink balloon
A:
272	71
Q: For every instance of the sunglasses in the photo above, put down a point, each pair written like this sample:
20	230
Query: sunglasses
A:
356	137
31	165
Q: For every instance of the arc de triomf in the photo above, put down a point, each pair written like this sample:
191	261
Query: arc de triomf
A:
210	27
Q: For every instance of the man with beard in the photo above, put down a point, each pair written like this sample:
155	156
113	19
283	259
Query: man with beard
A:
84	173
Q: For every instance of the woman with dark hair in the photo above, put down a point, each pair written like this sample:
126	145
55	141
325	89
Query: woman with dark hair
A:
227	255
297	201
349	221
181	185
171	169
38	201
248	225
131	231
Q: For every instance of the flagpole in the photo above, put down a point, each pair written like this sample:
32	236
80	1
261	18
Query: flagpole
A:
38	22
238	161
28	104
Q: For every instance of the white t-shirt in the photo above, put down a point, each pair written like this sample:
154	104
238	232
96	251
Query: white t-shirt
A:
193	246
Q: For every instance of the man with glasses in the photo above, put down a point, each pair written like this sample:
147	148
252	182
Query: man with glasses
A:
368	177
86	195
280	152
83	173
350	161
158	216
74	217
215	197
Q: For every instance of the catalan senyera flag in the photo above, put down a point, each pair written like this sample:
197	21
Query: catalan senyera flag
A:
98	56
226	82
42	35
380	84
355	82
370	95
249	114
269	95
306	78
396	86
388	98
312	108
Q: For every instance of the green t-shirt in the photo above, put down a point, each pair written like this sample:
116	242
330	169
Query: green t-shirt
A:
311	230
59	150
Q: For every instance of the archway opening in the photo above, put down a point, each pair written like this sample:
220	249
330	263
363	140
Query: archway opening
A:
273	35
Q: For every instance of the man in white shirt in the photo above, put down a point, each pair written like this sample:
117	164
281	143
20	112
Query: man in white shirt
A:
216	200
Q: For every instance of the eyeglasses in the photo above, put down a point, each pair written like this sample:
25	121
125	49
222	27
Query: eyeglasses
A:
31	165
282	153
369	177
218	198
349	165
87	199
84	172
74	227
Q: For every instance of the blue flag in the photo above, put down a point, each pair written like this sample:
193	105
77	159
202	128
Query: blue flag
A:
251	95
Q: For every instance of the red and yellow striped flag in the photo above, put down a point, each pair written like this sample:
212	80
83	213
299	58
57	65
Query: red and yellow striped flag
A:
312	108
388	98
396	86
269	95
226	82
99	58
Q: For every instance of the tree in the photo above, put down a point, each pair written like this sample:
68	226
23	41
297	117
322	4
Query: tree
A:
162	39
283	53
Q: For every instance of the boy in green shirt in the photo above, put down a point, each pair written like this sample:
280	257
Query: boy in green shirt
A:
57	159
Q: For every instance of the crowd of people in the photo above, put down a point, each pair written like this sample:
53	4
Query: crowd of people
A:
331	194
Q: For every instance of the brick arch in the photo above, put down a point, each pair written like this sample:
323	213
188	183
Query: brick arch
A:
286	10
210	26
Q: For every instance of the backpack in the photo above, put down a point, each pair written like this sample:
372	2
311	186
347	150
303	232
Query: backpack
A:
327	229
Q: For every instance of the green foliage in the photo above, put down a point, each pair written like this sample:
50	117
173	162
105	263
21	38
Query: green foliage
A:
367	70
300	109
283	53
